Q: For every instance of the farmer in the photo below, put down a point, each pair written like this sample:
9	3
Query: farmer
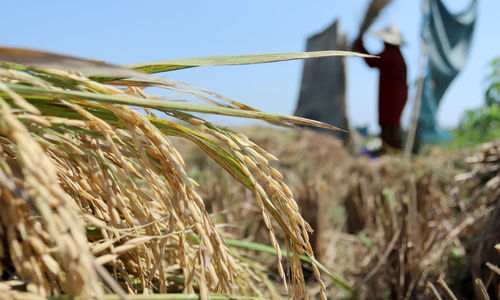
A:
393	90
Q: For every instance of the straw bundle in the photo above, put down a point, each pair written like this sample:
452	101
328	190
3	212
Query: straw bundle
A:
372	13
427	219
480	188
388	226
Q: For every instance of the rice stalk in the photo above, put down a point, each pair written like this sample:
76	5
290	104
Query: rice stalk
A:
75	154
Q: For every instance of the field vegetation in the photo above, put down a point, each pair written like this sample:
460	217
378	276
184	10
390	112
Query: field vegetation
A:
111	189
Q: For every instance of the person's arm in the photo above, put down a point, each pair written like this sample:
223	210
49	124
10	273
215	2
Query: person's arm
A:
373	62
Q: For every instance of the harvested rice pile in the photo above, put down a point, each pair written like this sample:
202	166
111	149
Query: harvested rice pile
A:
391	227
407	220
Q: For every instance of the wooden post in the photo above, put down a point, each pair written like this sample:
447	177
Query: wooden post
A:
412	131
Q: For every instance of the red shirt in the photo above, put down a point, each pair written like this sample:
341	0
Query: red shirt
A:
392	90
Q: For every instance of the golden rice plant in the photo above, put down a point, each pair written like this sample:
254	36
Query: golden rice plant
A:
96	200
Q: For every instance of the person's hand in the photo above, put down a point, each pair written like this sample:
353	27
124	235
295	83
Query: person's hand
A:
358	42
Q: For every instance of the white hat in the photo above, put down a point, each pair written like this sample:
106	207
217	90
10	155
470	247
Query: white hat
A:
390	35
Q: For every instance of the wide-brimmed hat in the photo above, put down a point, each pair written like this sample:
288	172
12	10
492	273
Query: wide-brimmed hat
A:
390	35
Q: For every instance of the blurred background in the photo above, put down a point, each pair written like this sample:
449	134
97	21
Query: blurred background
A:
130	31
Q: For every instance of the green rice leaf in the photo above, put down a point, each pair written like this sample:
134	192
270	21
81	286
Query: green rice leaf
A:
176	64
29	92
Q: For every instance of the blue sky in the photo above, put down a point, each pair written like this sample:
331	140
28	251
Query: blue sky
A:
135	31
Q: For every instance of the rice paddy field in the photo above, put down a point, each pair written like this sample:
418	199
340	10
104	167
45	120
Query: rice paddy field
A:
113	186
